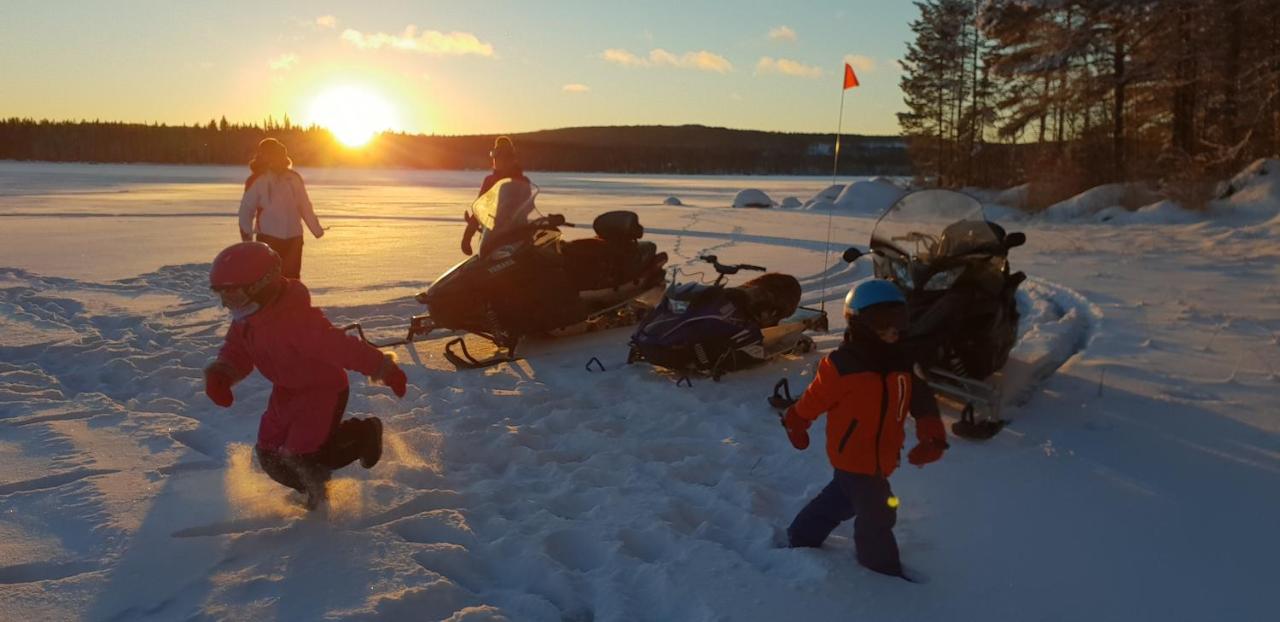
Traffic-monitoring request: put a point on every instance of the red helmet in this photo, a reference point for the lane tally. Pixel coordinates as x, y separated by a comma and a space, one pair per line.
245, 276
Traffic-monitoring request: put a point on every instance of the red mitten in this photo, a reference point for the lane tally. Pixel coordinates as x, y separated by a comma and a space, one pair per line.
395, 379
217, 385
933, 441
797, 428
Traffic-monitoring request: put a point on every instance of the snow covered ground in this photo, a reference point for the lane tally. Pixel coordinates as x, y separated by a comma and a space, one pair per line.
1138, 481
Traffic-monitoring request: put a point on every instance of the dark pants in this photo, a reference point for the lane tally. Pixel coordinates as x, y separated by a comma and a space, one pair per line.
290, 252
347, 441
864, 498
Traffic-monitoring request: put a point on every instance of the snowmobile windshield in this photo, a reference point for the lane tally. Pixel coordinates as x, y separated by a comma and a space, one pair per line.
931, 225
507, 205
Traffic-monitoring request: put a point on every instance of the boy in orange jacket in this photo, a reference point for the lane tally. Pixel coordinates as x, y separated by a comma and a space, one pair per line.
866, 387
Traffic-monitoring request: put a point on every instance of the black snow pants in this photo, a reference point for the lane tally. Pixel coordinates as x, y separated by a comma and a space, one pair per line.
347, 441
864, 498
290, 252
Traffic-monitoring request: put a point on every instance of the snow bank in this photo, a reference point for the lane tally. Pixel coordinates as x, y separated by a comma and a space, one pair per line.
1015, 197
1094, 200
791, 203
672, 201
829, 194
869, 198
1254, 193
752, 197
1161, 213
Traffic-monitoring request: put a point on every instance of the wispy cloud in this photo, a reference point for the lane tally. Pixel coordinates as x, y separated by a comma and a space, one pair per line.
860, 63
701, 60
284, 62
575, 88
623, 57
431, 42
787, 67
327, 21
783, 33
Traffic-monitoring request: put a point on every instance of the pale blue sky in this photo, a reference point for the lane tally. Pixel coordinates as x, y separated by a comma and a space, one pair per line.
513, 66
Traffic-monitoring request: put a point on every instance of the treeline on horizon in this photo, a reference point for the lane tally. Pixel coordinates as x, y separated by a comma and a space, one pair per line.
690, 149
1069, 94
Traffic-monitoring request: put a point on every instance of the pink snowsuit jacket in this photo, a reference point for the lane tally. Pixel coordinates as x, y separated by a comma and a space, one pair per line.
305, 357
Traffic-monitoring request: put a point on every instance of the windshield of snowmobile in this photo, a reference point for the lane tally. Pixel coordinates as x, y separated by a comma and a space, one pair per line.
508, 204
928, 225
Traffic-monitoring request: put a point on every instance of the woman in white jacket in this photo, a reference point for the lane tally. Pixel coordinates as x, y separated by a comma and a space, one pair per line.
275, 205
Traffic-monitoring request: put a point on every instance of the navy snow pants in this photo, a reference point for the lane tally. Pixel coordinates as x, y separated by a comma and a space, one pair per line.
864, 498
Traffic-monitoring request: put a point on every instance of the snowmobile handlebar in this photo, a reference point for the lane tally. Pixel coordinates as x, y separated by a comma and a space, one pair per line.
730, 269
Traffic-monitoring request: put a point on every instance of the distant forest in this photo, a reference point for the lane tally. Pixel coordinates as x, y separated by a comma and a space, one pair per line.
690, 149
1068, 94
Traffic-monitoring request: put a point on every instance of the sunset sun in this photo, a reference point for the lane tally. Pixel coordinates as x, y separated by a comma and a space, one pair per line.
352, 113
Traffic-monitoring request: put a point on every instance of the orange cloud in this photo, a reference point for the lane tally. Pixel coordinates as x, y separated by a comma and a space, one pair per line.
701, 60
431, 42
787, 67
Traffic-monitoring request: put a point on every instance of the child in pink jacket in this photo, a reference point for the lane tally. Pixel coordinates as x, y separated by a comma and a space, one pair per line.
302, 437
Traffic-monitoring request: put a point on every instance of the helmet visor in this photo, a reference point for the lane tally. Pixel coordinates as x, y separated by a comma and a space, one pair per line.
888, 321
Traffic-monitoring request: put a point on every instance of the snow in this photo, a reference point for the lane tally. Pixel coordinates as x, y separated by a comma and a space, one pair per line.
791, 203
752, 197
1015, 197
1142, 446
1088, 203
867, 197
672, 201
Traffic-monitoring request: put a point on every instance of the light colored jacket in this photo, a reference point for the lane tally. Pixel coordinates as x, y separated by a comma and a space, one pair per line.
276, 204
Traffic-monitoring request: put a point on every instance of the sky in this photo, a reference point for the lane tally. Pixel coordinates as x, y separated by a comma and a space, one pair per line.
473, 67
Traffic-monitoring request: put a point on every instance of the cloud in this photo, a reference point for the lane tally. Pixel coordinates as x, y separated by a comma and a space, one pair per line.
623, 57
787, 67
702, 60
783, 33
327, 21
284, 62
575, 88
860, 63
431, 42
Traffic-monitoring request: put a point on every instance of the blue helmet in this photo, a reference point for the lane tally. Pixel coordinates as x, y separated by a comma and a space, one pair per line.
873, 292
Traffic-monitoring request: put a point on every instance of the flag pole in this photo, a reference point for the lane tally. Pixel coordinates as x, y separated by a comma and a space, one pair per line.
835, 167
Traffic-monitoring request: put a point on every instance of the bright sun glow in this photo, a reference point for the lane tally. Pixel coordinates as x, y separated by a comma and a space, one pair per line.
352, 113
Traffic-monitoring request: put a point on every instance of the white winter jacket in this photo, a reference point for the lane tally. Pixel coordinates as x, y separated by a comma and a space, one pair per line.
276, 204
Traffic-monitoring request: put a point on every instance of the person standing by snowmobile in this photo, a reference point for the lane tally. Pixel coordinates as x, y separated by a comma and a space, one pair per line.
866, 387
505, 166
275, 204
302, 437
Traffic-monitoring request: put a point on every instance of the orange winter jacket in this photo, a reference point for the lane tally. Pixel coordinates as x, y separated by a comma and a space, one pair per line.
866, 388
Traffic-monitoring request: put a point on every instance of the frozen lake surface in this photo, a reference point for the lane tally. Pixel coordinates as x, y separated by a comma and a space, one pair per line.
1136, 482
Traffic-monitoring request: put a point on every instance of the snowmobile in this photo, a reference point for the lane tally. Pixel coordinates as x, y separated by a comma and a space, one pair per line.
953, 266
714, 329
525, 280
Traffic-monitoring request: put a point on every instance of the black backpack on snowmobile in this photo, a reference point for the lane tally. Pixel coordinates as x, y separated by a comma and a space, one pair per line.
714, 329
525, 280
953, 266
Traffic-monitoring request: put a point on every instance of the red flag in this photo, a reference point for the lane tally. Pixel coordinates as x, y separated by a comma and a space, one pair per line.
850, 79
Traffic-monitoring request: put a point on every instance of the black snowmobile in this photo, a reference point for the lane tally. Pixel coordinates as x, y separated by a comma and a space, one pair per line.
714, 329
525, 280
953, 266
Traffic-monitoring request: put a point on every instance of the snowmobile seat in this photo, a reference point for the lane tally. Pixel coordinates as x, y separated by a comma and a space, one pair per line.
768, 298
595, 263
618, 226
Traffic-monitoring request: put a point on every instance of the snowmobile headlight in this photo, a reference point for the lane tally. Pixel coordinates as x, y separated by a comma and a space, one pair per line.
944, 280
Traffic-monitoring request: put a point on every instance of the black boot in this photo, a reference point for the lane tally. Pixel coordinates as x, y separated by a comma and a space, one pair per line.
371, 453
314, 478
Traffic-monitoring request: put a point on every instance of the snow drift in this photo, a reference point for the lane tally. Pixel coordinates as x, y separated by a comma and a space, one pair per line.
752, 197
